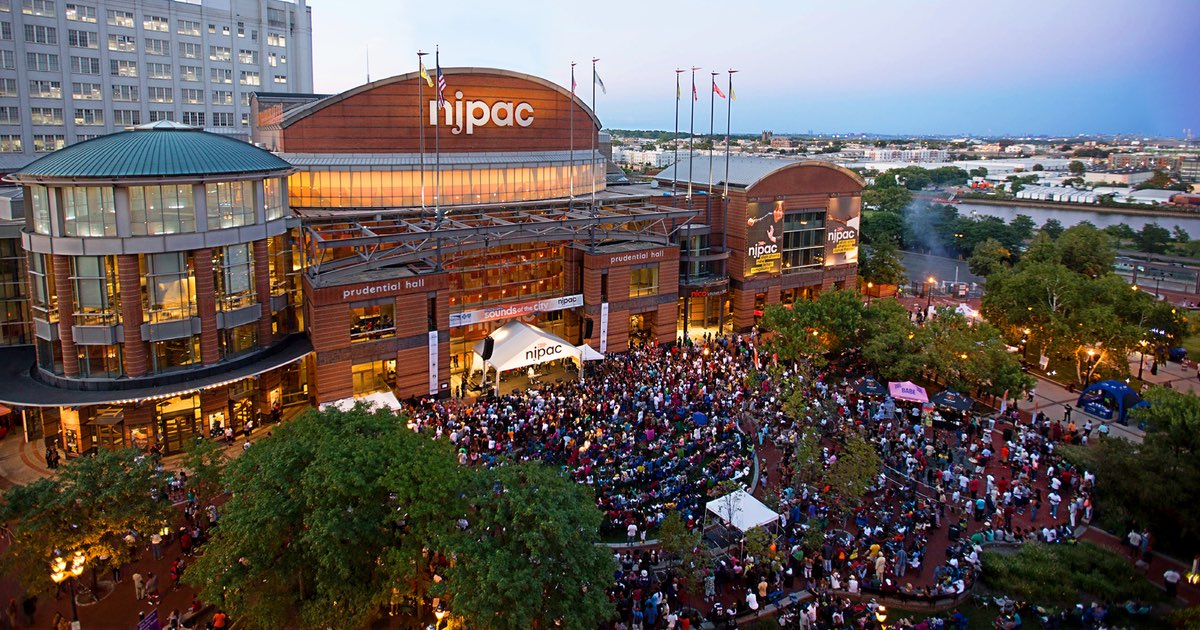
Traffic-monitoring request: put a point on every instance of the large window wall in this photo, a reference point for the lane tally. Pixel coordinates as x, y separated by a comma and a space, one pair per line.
327, 188
803, 240
505, 273
157, 210
233, 268
230, 204
89, 211
170, 287
16, 326
39, 201
97, 293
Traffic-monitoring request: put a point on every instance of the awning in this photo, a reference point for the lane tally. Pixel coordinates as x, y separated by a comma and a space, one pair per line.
376, 400
908, 391
516, 345
742, 510
588, 354
967, 311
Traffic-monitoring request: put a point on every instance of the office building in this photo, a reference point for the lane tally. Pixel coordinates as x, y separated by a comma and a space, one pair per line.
73, 70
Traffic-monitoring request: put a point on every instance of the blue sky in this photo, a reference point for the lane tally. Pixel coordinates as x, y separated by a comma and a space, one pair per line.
884, 66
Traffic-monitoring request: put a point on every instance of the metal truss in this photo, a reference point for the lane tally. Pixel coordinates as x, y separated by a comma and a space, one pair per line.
339, 244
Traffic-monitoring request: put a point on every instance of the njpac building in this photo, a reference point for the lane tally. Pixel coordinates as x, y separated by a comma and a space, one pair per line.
164, 282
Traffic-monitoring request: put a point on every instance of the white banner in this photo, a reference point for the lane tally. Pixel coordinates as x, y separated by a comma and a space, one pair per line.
433, 363
508, 311
603, 327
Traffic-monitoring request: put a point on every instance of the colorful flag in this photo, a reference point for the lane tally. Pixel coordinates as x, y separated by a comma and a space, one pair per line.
573, 86
732, 94
441, 86
717, 90
677, 92
598, 81
695, 96
425, 75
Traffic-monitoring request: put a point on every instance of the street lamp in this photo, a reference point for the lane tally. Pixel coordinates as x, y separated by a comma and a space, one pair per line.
929, 292
1091, 362
1142, 357
1025, 344
59, 571
870, 286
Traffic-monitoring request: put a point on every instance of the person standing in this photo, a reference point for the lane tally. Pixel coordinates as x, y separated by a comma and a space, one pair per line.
139, 586
152, 588
1171, 579
156, 545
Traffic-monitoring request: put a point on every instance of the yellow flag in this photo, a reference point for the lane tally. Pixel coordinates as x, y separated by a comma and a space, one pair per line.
732, 94
425, 75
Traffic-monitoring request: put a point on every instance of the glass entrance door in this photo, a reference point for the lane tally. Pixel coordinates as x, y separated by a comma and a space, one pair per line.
178, 421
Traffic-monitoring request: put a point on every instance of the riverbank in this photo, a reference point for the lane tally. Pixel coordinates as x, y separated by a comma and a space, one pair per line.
1155, 211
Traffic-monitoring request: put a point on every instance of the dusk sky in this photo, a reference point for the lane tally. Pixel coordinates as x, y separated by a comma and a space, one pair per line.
886, 66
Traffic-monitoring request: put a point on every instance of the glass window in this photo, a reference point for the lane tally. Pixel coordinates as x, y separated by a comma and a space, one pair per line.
85, 65
803, 240
239, 340
83, 39
370, 320
273, 201
372, 376
643, 280
99, 361
187, 27
89, 211
120, 18
156, 23
46, 115
10, 143
233, 268
87, 91
84, 117
97, 294
122, 43
157, 210
160, 47
230, 204
45, 297
170, 287
40, 201
81, 13
173, 354
38, 34
219, 53
44, 8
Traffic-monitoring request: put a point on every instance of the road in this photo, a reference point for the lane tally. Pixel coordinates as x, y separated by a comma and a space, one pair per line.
921, 266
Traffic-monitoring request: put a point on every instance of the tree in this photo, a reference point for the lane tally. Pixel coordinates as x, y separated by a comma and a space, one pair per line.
889, 343
1153, 239
529, 558
204, 460
327, 517
857, 466
881, 264
1076, 167
979, 172
989, 257
686, 547
1180, 235
1053, 228
879, 226
1022, 228
1086, 250
886, 198
1038, 167
88, 507
812, 328
1121, 232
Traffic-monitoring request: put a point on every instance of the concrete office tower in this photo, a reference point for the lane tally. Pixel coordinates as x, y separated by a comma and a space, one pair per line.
73, 70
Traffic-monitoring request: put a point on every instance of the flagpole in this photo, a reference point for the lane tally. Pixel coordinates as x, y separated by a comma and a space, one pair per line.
421, 120
728, 118
691, 134
675, 138
592, 135
725, 196
712, 108
571, 160
437, 138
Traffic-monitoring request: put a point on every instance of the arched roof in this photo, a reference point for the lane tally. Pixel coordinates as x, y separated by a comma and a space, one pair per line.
299, 113
744, 171
809, 163
160, 149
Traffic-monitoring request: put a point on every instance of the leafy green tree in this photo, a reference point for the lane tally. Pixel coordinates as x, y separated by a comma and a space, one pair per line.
204, 460
687, 548
857, 466
979, 172
1076, 167
1053, 228
1086, 250
989, 257
886, 198
89, 506
1153, 239
813, 328
881, 264
1022, 228
971, 356
327, 517
889, 342
529, 559
879, 226
1180, 235
1038, 167
1121, 232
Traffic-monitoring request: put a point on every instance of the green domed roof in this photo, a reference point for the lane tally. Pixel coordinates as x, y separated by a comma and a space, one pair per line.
160, 149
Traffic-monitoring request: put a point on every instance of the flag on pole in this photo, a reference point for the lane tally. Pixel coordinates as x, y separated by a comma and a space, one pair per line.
599, 81
441, 86
732, 94
695, 96
717, 90
677, 92
573, 86
425, 75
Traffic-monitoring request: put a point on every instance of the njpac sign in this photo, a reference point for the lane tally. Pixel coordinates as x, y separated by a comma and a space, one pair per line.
466, 115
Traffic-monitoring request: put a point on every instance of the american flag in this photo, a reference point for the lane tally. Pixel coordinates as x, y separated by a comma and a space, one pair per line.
441, 86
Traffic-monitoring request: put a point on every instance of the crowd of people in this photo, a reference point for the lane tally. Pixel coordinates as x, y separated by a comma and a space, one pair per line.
652, 430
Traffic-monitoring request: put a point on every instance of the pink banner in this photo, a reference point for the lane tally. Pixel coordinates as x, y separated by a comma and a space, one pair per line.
908, 391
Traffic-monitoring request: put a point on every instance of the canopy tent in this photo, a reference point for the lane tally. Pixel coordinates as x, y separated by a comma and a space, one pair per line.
742, 510
906, 390
952, 399
967, 311
1110, 400
517, 345
376, 400
868, 386
588, 354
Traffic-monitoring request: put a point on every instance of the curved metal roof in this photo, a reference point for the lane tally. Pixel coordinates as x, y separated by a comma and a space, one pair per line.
744, 170
299, 113
159, 149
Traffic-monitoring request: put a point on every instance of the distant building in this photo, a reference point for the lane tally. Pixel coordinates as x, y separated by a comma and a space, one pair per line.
784, 143
1189, 168
907, 155
1128, 177
1150, 161
766, 136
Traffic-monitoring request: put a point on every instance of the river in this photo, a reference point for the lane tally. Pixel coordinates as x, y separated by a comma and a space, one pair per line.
1071, 216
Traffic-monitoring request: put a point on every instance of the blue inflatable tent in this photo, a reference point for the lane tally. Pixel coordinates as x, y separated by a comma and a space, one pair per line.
1110, 400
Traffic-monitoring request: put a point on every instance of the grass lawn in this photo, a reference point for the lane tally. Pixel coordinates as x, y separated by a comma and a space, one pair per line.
1193, 346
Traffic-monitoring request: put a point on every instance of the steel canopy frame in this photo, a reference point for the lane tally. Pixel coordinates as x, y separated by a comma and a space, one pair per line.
369, 241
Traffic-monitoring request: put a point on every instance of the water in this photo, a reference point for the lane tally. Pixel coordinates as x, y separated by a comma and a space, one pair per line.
1071, 216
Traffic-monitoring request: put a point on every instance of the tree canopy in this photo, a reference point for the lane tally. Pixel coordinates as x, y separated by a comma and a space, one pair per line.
89, 506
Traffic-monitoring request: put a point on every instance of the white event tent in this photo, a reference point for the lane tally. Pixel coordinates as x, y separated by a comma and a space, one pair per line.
516, 345
747, 511
376, 400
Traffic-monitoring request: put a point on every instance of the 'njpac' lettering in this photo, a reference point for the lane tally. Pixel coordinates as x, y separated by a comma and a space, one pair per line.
479, 113
537, 354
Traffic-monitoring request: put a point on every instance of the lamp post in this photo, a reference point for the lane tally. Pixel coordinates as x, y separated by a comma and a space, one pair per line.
870, 286
59, 571
1091, 363
929, 292
1025, 345
1142, 357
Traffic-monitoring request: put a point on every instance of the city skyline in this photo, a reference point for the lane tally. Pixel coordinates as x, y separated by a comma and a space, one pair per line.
941, 68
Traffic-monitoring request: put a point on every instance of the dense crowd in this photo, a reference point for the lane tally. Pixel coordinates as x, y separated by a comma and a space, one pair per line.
651, 430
